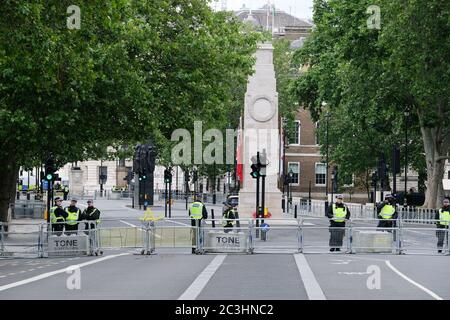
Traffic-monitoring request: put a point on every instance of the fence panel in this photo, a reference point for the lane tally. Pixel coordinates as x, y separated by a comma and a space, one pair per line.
26, 243
425, 240
174, 233
282, 235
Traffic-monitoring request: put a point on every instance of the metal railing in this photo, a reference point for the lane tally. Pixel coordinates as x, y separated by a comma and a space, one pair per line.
317, 209
359, 235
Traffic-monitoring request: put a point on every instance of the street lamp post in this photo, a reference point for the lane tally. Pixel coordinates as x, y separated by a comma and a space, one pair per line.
327, 116
405, 202
291, 175
284, 177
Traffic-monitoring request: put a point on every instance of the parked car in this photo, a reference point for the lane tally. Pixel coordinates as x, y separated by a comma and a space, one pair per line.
232, 201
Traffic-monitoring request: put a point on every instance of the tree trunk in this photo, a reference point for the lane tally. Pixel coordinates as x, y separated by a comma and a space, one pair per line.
436, 146
9, 172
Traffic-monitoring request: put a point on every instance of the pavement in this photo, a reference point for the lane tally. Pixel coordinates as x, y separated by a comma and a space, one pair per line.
267, 274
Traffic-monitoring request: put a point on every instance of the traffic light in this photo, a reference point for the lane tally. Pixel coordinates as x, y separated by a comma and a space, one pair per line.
255, 171
374, 179
194, 176
143, 176
50, 169
167, 176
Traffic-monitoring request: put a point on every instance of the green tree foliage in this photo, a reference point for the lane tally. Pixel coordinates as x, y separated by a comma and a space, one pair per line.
368, 77
135, 70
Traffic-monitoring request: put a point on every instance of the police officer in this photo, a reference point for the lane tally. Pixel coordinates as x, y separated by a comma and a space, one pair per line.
228, 219
65, 192
91, 213
73, 216
57, 217
197, 212
443, 217
337, 213
387, 212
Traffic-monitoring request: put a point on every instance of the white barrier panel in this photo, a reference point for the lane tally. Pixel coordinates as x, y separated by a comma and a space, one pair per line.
219, 241
68, 245
372, 241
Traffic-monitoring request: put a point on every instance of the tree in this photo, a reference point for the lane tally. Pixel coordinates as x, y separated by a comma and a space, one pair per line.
135, 70
368, 77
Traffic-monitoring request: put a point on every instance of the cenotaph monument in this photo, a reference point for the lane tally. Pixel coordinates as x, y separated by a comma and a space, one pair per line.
261, 133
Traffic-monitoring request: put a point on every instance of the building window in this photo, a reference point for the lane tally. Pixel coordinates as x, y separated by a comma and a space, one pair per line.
317, 133
321, 174
295, 167
295, 138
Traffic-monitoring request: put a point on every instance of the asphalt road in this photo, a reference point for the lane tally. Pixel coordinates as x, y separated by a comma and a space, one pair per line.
175, 273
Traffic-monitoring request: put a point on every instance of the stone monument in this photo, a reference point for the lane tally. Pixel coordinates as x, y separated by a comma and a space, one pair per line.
261, 133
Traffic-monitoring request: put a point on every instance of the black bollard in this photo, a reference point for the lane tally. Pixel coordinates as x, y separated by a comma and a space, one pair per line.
295, 212
212, 217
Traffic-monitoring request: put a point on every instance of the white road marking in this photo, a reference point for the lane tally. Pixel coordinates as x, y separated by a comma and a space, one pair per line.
431, 293
202, 280
341, 261
132, 225
10, 274
352, 273
29, 270
309, 280
180, 223
52, 273
2, 276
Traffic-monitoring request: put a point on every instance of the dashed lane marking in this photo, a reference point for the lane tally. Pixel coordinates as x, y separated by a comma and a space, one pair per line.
310, 283
202, 280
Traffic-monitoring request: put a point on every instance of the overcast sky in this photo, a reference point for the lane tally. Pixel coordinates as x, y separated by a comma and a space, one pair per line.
299, 8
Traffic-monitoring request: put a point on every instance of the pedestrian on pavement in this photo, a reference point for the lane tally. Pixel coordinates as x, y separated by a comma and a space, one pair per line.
57, 217
338, 213
91, 213
228, 219
387, 213
197, 212
66, 192
73, 216
443, 218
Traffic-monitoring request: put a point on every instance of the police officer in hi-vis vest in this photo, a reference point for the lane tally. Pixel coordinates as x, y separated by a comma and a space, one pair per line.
91, 213
337, 213
228, 219
443, 219
197, 212
387, 212
73, 216
57, 217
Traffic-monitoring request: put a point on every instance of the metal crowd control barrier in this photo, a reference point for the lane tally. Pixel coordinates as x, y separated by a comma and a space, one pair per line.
235, 239
26, 243
148, 237
282, 235
174, 233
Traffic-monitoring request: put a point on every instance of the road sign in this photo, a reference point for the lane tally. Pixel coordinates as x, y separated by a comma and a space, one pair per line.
265, 227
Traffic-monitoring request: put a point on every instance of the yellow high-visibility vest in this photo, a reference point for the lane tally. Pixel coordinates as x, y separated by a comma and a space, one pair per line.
225, 217
444, 217
387, 212
53, 217
196, 209
339, 214
72, 217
